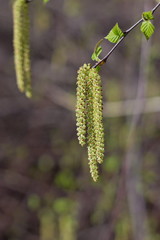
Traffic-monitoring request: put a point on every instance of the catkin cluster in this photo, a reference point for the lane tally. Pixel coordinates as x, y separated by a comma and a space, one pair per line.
89, 116
22, 46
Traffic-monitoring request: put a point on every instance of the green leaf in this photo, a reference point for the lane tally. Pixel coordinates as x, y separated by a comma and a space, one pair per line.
115, 34
147, 28
96, 54
147, 15
97, 51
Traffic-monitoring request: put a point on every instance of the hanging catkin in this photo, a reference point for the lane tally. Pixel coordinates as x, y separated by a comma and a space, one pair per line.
81, 103
91, 136
22, 46
26, 47
89, 116
97, 114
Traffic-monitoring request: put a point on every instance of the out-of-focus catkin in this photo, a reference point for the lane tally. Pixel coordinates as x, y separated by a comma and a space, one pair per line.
22, 46
26, 47
89, 116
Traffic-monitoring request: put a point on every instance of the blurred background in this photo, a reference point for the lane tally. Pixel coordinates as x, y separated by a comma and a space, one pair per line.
46, 192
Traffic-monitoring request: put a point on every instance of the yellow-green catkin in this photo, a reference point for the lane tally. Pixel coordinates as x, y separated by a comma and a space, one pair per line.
91, 137
89, 116
93, 162
22, 46
98, 114
81, 102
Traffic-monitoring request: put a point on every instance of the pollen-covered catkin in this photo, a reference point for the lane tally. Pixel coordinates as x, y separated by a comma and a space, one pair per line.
98, 114
18, 48
91, 140
81, 102
93, 162
89, 116
21, 45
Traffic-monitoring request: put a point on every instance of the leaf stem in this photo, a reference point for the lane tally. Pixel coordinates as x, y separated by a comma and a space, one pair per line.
104, 59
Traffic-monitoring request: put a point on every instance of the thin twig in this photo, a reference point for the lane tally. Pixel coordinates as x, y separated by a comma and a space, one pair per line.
104, 59
155, 8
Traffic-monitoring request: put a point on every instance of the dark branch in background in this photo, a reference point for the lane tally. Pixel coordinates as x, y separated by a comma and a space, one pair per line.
28, 1
104, 59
